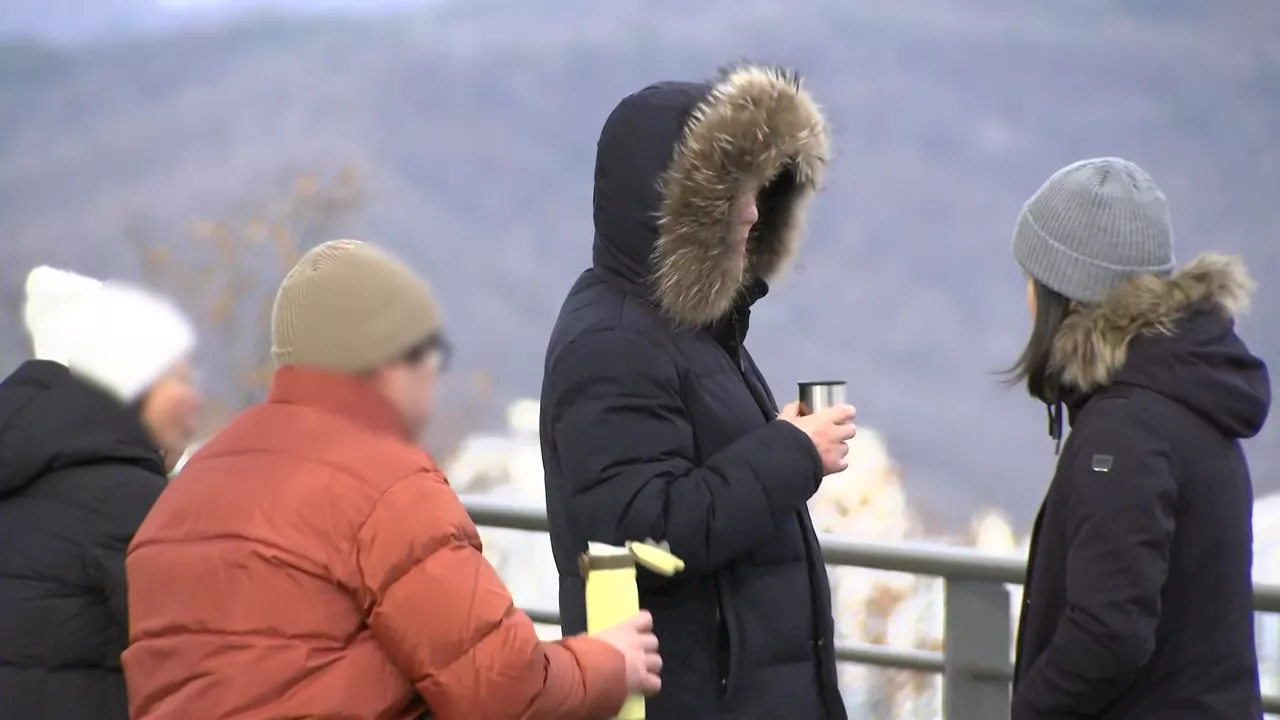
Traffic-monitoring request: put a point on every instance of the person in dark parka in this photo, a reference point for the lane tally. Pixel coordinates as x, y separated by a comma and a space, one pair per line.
657, 424
84, 432
1139, 597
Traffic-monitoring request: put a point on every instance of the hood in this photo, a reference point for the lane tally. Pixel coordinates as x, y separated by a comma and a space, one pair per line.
51, 420
672, 160
1175, 336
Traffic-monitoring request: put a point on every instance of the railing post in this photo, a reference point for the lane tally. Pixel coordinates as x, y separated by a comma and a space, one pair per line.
977, 636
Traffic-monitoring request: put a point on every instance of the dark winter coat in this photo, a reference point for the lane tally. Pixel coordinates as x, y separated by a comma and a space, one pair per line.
656, 423
1139, 597
77, 475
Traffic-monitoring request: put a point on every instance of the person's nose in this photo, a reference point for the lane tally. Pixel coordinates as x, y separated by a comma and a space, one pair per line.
750, 213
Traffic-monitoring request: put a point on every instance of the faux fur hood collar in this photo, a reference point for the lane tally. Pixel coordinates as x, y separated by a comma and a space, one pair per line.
1093, 344
671, 162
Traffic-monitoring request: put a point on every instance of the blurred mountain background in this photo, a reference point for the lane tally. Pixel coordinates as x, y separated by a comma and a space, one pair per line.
202, 144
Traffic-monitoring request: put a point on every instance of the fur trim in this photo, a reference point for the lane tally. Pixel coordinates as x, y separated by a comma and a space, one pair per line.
1093, 342
757, 129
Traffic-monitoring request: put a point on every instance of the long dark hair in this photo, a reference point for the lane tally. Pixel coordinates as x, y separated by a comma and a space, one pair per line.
1032, 366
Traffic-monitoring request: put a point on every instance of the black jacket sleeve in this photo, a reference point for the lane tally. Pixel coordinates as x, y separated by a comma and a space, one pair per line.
1120, 511
627, 452
126, 496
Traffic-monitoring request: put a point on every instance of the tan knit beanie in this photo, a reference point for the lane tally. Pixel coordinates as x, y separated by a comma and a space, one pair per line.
349, 306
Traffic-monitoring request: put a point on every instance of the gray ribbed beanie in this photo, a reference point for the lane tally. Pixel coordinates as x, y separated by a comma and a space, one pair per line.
1093, 224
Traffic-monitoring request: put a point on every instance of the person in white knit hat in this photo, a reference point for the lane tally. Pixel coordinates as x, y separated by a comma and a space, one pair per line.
86, 428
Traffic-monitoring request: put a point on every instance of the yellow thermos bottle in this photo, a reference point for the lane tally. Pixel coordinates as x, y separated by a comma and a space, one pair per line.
612, 595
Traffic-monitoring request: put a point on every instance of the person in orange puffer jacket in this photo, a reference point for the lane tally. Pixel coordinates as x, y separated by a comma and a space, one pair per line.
311, 561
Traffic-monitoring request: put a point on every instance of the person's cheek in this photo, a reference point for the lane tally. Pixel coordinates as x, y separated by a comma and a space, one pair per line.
186, 418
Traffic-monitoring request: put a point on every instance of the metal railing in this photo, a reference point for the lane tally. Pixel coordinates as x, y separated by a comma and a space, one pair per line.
976, 668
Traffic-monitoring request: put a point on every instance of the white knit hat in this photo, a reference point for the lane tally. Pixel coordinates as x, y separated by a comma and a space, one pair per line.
118, 336
51, 295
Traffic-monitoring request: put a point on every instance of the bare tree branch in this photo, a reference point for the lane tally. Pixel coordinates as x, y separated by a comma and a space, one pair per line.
225, 272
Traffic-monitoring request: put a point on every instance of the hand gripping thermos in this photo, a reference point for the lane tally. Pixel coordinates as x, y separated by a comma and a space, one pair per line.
612, 595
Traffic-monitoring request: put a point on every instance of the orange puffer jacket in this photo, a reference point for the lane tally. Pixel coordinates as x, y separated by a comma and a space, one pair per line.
309, 561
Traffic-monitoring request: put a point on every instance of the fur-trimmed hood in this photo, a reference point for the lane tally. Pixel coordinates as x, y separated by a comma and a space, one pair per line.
671, 162
1174, 335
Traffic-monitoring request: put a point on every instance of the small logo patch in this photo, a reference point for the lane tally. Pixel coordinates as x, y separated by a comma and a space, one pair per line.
1102, 463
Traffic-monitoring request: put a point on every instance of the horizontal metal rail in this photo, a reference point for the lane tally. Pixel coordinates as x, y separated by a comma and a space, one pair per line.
954, 563
862, 653
949, 563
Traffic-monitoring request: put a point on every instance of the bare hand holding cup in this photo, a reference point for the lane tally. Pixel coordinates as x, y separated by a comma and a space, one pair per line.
828, 429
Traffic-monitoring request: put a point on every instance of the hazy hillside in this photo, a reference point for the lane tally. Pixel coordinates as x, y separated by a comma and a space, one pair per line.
79, 21
474, 124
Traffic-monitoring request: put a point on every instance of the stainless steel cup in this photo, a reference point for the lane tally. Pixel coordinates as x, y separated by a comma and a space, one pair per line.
818, 396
